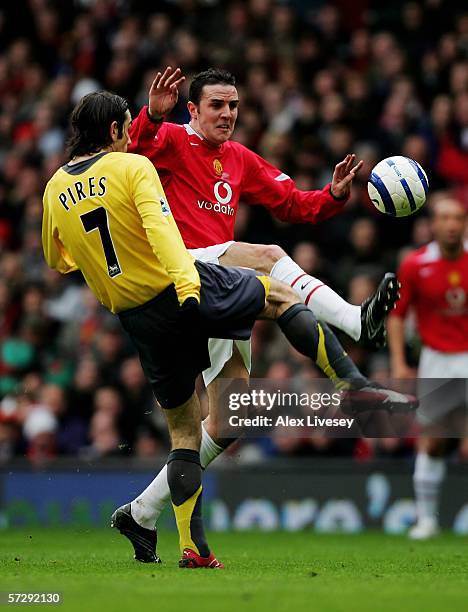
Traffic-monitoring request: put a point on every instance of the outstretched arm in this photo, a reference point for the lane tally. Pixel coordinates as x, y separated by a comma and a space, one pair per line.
265, 185
162, 97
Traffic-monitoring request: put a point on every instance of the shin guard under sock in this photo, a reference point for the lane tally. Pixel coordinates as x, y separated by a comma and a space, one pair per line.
184, 478
317, 341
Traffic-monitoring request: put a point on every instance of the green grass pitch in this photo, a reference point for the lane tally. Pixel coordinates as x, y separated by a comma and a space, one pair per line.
94, 570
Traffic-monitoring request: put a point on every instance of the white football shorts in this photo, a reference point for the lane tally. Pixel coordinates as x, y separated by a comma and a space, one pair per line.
221, 350
438, 365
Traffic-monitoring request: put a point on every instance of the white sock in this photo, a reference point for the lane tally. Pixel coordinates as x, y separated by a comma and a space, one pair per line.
147, 507
326, 305
429, 473
209, 450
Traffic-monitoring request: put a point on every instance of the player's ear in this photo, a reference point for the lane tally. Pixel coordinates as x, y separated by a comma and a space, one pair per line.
114, 131
192, 109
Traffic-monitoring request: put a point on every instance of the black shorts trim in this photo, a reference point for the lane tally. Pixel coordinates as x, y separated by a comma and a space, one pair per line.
171, 354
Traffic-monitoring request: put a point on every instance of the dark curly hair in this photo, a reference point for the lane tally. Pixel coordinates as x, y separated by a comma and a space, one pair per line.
90, 122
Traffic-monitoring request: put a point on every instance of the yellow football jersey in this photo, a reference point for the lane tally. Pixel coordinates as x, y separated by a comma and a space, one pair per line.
108, 216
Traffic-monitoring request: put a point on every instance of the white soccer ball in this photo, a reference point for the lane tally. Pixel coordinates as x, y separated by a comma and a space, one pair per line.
398, 186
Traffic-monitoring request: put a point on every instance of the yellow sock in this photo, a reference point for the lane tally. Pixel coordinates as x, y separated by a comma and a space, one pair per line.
323, 362
183, 514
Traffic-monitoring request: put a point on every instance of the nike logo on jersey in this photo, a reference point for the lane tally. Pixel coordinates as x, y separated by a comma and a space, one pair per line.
305, 285
194, 144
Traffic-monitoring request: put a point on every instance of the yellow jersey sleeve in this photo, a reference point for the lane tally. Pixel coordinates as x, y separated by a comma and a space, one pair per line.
55, 253
162, 231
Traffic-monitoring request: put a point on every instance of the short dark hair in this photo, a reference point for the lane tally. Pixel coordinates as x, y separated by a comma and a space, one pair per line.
90, 122
212, 76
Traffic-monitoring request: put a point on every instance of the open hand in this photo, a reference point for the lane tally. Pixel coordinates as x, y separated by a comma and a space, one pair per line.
343, 176
164, 92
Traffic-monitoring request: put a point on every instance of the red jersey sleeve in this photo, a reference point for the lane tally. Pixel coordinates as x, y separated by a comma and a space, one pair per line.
265, 185
153, 140
407, 278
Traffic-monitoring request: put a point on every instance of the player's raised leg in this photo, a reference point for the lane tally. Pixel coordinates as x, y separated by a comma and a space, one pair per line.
315, 340
363, 323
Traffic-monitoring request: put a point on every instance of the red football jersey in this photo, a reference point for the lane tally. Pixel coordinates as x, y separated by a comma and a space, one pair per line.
204, 183
437, 288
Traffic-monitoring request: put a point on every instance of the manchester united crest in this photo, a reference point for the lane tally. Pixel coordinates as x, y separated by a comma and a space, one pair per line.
454, 278
218, 167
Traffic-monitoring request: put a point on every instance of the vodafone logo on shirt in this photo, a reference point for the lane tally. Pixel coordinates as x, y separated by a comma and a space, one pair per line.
456, 299
222, 186
223, 195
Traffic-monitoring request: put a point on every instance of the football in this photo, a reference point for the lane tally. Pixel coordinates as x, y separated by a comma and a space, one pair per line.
398, 186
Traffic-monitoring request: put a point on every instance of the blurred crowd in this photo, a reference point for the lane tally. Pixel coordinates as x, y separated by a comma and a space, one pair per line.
316, 80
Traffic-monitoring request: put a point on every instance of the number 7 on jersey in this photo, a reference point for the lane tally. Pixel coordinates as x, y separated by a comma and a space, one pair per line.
97, 220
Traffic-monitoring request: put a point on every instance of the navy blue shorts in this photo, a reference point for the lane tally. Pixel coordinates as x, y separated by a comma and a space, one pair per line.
230, 300
173, 355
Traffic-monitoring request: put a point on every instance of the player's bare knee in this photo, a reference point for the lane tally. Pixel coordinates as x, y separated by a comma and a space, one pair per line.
280, 298
282, 293
260, 257
268, 255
